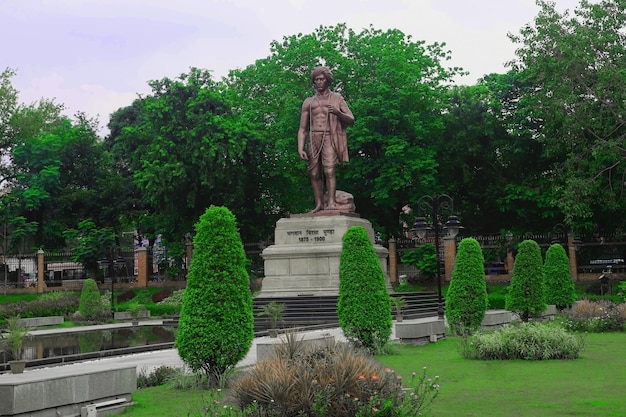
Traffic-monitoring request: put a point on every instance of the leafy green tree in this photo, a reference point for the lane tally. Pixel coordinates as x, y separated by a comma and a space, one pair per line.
395, 87
61, 178
364, 305
37, 180
575, 66
8, 107
495, 165
526, 294
184, 139
90, 185
53, 169
560, 289
90, 244
19, 121
90, 307
136, 212
20, 231
466, 299
424, 258
216, 324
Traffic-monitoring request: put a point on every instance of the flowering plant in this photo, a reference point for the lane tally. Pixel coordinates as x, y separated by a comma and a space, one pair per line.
333, 380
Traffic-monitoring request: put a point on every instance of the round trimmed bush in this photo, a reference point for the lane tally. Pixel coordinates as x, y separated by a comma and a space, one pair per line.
364, 305
528, 341
216, 324
466, 300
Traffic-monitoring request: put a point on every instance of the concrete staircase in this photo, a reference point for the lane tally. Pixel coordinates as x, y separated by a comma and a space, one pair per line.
321, 311
306, 311
418, 304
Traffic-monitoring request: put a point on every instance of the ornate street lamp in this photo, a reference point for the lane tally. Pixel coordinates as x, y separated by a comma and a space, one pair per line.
561, 233
434, 204
109, 265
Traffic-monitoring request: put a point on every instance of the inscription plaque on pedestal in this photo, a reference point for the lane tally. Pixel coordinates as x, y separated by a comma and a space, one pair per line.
304, 259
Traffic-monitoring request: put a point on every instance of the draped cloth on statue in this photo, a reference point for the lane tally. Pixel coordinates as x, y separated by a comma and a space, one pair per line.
337, 130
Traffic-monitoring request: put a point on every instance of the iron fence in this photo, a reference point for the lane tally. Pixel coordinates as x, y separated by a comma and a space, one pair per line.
594, 255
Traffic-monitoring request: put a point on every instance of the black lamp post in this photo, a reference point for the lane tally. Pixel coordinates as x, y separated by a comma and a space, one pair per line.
434, 204
111, 273
561, 235
108, 266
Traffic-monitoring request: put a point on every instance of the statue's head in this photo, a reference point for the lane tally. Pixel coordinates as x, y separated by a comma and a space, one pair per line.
321, 70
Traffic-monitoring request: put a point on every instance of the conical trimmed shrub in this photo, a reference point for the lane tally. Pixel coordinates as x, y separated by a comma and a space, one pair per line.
466, 300
364, 305
526, 295
216, 324
560, 289
90, 306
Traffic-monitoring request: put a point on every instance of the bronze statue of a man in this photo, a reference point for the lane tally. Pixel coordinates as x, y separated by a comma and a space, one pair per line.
322, 139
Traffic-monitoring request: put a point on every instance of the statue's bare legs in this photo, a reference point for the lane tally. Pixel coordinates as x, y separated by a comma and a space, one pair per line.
319, 202
318, 189
331, 187
317, 182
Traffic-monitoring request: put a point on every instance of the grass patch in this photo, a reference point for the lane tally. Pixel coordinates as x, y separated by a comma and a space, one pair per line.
165, 401
497, 296
13, 298
592, 385
65, 324
405, 286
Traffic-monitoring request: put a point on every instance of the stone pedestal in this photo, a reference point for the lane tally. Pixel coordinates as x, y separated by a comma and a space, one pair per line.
420, 330
496, 318
304, 259
266, 349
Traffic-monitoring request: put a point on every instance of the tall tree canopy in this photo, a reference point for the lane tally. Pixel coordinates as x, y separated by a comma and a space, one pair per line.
575, 64
61, 178
8, 107
541, 144
185, 151
494, 165
393, 85
20, 121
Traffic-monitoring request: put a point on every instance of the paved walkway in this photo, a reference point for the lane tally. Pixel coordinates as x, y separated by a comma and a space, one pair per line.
148, 361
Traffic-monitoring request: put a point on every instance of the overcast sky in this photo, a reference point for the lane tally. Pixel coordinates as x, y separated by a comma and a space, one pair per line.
95, 56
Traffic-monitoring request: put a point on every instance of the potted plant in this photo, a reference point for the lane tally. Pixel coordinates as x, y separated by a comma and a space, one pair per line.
12, 341
398, 303
135, 309
274, 311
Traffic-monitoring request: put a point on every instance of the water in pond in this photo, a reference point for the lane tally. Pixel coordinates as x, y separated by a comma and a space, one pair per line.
64, 344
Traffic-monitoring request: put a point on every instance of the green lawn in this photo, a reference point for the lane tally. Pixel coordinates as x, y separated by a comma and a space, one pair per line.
593, 385
166, 402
